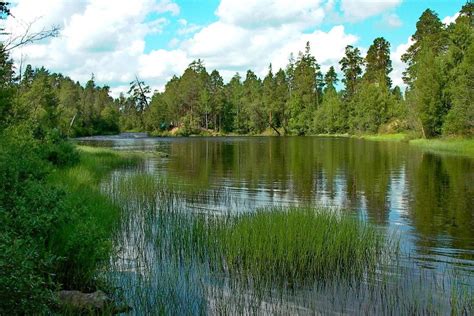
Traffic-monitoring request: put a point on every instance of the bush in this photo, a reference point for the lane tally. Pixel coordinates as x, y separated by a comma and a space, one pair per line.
58, 150
29, 211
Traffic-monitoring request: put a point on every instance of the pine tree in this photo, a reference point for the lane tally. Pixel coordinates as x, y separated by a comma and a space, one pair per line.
281, 96
235, 98
330, 116
378, 63
217, 98
305, 92
330, 79
430, 34
351, 66
268, 96
252, 102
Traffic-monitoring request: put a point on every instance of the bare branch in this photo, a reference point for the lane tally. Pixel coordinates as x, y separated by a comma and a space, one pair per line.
29, 37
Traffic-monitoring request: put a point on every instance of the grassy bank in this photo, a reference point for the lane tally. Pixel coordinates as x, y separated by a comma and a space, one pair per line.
386, 137
84, 240
458, 146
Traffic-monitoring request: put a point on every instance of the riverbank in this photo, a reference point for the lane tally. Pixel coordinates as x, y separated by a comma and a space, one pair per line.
458, 146
84, 240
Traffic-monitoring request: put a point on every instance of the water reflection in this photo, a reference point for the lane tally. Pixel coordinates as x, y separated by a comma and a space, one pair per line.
429, 198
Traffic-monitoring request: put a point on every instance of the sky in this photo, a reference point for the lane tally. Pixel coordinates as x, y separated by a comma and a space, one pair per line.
117, 40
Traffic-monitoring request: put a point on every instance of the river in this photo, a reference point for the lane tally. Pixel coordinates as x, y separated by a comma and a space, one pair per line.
426, 198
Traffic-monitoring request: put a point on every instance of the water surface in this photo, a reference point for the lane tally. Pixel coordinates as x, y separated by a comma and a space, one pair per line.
427, 198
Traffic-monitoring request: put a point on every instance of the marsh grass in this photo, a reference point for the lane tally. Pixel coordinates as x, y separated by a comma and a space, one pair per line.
174, 259
83, 241
387, 137
288, 245
458, 146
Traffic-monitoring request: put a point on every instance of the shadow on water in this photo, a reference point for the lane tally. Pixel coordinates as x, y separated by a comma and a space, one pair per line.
427, 199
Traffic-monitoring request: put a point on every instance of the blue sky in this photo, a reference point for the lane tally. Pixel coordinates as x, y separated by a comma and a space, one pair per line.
155, 39
409, 11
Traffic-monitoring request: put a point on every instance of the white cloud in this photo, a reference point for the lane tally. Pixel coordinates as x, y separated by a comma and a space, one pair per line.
253, 34
108, 38
167, 6
187, 28
162, 63
392, 20
357, 10
270, 13
450, 19
398, 65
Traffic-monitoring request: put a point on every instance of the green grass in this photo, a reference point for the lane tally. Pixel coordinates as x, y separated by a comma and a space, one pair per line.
459, 146
386, 137
276, 244
244, 263
297, 245
84, 240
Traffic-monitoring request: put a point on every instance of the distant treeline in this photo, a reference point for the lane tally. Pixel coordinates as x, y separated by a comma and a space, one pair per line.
301, 100
298, 100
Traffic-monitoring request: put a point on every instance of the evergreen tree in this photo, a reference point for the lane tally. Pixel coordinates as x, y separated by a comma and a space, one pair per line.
193, 96
330, 116
281, 96
217, 99
39, 106
460, 119
7, 89
378, 63
252, 101
426, 98
370, 108
330, 79
28, 76
351, 66
458, 63
235, 98
268, 96
430, 35
305, 92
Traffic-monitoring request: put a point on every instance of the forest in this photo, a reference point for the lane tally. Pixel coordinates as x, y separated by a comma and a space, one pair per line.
49, 239
298, 100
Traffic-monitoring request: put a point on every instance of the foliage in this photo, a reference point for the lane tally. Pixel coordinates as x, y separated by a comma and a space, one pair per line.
53, 101
30, 209
351, 66
460, 60
55, 226
378, 63
298, 101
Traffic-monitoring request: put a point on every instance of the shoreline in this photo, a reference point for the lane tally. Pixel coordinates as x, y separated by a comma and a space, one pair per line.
462, 146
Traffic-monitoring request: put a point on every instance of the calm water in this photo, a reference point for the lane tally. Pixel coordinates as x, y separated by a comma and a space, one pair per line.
427, 198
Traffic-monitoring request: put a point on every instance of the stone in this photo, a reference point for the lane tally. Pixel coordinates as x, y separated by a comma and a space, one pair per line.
84, 301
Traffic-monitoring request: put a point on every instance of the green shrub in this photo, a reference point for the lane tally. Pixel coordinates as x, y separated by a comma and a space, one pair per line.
29, 211
56, 227
57, 150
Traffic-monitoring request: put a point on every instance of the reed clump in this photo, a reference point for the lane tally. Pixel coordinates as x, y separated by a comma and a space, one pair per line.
299, 245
